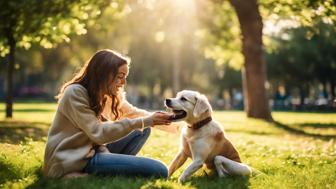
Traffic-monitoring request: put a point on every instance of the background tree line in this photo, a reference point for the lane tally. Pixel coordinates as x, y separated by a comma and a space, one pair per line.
195, 46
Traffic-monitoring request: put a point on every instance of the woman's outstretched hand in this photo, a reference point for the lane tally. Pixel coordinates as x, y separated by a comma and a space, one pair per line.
161, 118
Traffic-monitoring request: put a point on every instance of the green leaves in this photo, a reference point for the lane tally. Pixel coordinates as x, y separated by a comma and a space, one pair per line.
222, 35
310, 48
221, 38
46, 23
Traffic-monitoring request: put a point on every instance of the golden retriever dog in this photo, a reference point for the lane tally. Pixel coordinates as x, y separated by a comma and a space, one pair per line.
203, 139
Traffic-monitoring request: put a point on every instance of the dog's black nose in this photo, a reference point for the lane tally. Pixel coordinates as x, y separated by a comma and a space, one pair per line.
167, 102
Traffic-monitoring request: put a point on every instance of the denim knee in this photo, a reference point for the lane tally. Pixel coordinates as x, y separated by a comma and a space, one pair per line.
146, 132
164, 172
161, 170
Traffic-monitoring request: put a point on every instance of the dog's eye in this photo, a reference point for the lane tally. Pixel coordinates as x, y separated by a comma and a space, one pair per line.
183, 99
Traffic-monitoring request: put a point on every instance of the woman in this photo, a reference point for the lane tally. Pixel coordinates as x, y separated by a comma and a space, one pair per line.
93, 111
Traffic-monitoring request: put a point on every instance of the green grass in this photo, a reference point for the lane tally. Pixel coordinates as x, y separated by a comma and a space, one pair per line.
298, 151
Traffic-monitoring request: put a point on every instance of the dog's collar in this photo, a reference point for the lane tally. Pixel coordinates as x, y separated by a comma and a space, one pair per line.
200, 124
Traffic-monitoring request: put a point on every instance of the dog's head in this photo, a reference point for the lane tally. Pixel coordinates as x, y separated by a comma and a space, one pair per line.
190, 106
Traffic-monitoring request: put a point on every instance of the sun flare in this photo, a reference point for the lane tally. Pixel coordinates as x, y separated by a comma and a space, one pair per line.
184, 4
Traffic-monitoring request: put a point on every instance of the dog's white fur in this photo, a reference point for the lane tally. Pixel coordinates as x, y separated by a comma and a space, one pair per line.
206, 145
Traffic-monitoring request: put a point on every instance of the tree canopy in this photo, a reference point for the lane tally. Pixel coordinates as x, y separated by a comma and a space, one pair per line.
45, 22
197, 48
300, 59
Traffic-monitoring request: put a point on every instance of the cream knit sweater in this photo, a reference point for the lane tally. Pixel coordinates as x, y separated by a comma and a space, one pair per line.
75, 129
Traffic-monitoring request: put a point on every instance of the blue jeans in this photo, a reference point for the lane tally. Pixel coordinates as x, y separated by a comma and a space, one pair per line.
122, 159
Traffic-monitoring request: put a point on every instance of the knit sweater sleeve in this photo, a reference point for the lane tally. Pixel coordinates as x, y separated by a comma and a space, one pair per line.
75, 106
131, 111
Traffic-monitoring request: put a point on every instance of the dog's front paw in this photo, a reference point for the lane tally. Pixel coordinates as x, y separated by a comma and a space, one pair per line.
182, 179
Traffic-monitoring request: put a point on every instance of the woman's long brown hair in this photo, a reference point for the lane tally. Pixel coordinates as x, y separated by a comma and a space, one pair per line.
96, 76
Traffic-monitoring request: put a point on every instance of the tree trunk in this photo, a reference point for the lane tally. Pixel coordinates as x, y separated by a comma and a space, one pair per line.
244, 87
332, 90
254, 76
10, 75
303, 95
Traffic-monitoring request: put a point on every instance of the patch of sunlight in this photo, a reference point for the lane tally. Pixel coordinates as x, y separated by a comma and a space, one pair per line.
160, 36
184, 4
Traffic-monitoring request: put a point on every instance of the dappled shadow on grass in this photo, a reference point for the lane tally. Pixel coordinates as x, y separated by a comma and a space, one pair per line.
10, 173
7, 173
120, 182
319, 125
14, 132
213, 182
37, 110
93, 181
252, 132
298, 131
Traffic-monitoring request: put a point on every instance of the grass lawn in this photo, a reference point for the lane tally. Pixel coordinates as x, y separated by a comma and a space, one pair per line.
297, 151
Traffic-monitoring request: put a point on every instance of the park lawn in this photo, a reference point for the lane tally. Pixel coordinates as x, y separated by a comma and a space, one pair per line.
297, 151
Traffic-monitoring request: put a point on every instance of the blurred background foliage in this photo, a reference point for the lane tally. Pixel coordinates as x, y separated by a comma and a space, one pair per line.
178, 45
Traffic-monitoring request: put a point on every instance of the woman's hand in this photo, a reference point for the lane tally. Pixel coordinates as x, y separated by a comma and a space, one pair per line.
161, 118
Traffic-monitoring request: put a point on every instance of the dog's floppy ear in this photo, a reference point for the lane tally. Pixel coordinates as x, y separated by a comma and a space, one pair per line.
202, 105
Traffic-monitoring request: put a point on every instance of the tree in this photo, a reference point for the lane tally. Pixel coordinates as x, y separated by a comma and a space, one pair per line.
140, 31
41, 22
250, 15
243, 52
299, 58
254, 72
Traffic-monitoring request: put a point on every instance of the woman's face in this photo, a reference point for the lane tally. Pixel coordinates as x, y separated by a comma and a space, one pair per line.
120, 80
